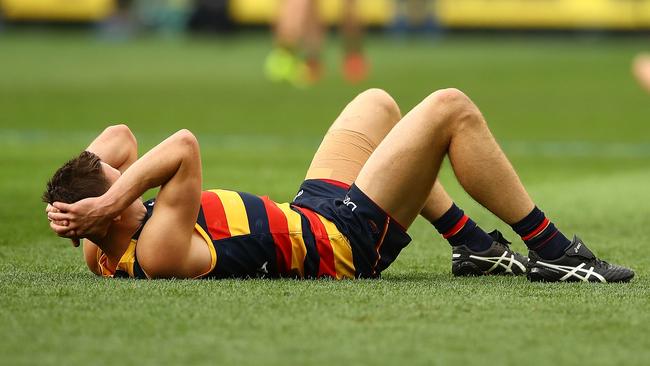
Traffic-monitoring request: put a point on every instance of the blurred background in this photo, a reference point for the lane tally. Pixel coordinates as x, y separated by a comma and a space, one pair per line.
555, 78
180, 15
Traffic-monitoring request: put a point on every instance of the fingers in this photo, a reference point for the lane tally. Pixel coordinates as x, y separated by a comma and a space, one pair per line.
65, 232
57, 219
59, 216
65, 207
50, 208
62, 231
59, 222
58, 229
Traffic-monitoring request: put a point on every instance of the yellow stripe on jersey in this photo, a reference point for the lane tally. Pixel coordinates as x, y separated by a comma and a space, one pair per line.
235, 212
128, 259
343, 263
125, 264
298, 248
210, 244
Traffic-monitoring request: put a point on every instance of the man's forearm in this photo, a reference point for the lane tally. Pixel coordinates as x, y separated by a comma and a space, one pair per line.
153, 169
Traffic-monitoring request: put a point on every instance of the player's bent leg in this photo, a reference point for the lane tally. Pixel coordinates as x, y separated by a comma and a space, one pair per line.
400, 174
353, 136
400, 177
418, 143
446, 122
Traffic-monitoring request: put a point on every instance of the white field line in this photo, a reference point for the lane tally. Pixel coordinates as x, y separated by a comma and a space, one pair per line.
587, 149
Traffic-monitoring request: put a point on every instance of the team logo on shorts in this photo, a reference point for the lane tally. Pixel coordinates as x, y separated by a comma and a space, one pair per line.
349, 203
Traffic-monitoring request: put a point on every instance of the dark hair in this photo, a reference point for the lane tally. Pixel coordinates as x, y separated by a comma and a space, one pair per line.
79, 178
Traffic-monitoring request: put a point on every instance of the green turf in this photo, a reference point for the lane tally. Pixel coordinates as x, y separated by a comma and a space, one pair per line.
566, 110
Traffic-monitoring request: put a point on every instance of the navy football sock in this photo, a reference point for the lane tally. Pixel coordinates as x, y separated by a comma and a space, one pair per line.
541, 236
459, 229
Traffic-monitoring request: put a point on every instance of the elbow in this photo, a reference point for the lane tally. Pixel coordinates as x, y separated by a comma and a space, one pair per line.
118, 130
122, 132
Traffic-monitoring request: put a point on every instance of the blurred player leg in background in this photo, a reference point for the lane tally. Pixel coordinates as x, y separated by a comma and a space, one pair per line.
641, 70
355, 65
313, 42
297, 22
299, 35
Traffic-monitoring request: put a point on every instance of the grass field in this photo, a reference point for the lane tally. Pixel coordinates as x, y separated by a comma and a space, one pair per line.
566, 111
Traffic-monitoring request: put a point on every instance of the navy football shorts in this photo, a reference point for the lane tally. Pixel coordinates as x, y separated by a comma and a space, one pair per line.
376, 238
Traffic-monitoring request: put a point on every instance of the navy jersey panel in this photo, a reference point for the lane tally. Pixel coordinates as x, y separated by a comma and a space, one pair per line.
250, 256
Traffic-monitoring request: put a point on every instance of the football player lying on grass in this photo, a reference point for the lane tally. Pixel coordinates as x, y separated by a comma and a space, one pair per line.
373, 174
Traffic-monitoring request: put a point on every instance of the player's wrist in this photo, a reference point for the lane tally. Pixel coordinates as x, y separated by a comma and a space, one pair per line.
109, 204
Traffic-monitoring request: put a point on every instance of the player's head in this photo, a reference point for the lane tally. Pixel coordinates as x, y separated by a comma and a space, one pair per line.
82, 177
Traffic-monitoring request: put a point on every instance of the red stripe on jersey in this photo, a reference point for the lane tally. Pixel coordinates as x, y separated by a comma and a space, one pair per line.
215, 216
537, 230
280, 231
323, 245
454, 230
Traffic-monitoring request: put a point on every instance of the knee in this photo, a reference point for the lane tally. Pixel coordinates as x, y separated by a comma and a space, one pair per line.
455, 105
450, 98
380, 99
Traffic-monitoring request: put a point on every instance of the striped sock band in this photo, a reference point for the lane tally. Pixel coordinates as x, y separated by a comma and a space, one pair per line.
459, 229
541, 235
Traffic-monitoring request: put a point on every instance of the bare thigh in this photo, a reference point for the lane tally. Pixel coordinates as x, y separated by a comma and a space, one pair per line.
353, 137
400, 175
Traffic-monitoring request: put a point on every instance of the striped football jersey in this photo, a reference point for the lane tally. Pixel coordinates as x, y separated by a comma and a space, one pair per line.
251, 236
